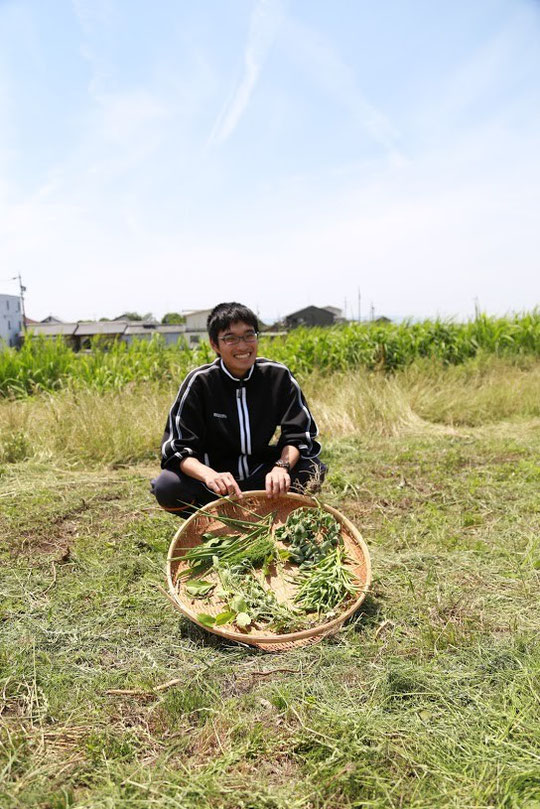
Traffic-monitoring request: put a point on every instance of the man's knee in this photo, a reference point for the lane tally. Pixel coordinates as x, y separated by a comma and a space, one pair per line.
179, 493
169, 491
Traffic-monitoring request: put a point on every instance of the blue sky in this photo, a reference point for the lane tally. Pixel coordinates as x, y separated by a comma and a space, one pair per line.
166, 156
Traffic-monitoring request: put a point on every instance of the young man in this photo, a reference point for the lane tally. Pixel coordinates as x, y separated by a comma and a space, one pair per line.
218, 435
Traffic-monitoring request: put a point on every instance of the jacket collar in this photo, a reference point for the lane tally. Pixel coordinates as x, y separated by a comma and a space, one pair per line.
234, 378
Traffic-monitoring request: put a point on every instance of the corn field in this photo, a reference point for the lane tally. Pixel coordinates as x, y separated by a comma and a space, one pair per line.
49, 365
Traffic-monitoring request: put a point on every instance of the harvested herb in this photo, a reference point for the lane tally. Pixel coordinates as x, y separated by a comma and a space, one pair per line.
311, 534
205, 619
199, 588
254, 547
245, 595
326, 585
314, 543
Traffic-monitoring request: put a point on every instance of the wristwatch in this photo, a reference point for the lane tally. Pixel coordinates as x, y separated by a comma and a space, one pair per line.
283, 464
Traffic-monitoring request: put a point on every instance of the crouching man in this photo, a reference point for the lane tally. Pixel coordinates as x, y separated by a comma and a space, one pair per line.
218, 437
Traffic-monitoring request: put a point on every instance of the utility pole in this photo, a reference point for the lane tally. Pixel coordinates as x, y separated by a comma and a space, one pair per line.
372, 312
22, 290
359, 306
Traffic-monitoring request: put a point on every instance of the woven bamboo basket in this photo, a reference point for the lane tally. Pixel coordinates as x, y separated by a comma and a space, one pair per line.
204, 520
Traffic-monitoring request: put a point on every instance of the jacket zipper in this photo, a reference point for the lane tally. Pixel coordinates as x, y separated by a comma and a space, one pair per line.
245, 437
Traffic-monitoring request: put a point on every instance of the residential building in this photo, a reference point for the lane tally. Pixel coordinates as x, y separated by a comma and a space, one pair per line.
10, 320
196, 320
79, 335
54, 330
336, 311
51, 319
310, 316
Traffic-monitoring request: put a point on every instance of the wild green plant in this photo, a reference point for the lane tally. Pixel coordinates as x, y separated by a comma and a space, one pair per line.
310, 534
253, 546
248, 602
44, 364
326, 585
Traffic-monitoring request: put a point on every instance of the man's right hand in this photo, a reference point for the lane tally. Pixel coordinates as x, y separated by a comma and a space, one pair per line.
222, 483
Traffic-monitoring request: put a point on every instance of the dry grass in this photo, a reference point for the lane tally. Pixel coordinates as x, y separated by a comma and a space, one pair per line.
119, 427
85, 426
363, 402
486, 389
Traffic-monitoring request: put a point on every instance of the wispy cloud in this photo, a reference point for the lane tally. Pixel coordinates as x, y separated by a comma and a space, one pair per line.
265, 21
322, 62
493, 82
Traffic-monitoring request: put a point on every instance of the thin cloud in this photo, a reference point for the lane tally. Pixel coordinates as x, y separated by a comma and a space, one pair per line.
265, 21
320, 59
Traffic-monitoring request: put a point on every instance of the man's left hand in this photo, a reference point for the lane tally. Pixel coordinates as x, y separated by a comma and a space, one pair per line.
277, 481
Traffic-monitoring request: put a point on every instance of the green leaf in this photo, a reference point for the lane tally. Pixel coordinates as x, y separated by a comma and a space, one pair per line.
243, 620
211, 543
205, 619
199, 587
238, 604
226, 617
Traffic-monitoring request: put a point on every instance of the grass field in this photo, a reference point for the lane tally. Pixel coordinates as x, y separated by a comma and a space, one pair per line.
429, 697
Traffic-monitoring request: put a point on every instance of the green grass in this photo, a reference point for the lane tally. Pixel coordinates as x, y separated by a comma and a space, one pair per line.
49, 365
429, 697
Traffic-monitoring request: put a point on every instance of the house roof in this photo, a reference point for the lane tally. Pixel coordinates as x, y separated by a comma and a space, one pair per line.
334, 309
172, 328
190, 312
154, 328
101, 327
53, 329
112, 327
308, 309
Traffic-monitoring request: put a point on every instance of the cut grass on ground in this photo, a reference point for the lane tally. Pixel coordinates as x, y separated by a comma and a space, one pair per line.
430, 697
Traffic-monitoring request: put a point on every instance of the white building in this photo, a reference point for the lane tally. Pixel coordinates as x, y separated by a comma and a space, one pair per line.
196, 320
10, 319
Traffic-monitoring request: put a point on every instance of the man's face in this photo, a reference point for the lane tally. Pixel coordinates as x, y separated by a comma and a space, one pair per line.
237, 356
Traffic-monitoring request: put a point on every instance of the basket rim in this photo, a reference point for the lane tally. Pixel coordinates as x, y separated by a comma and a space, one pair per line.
290, 636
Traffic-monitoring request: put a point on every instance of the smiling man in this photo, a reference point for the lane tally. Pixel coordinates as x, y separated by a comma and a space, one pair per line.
218, 437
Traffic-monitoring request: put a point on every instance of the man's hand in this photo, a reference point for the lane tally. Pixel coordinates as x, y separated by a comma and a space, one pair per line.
277, 481
222, 483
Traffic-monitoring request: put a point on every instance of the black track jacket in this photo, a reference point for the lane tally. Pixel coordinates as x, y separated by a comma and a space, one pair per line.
228, 423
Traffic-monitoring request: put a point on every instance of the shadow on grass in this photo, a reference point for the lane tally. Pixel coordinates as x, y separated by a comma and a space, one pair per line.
368, 614
202, 637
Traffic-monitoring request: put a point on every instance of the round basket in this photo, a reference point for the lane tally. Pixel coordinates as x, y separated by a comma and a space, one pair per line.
204, 520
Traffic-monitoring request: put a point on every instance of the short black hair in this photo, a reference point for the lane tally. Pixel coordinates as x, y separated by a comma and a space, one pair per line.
222, 315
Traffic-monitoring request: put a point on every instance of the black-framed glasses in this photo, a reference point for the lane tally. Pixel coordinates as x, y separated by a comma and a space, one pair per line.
234, 339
